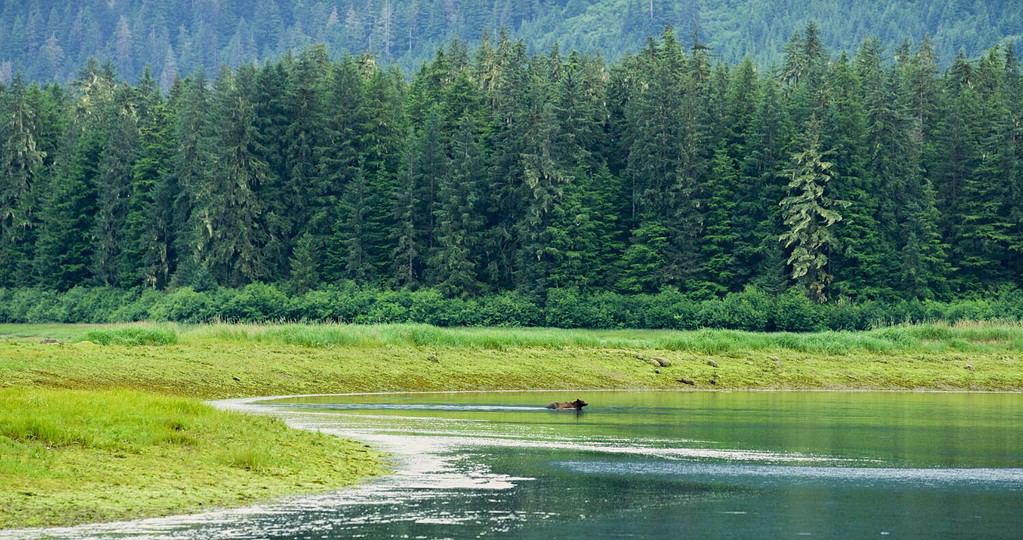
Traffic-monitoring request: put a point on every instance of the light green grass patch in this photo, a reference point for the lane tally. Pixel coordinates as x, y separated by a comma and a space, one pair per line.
133, 335
84, 456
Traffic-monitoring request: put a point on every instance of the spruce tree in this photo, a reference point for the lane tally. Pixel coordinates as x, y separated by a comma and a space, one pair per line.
453, 268
21, 168
720, 234
64, 249
810, 215
762, 166
150, 220
272, 122
544, 183
302, 181
193, 164
226, 211
380, 144
304, 264
352, 230
409, 250
857, 263
111, 265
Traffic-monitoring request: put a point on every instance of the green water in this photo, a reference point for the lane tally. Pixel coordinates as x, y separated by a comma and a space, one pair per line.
654, 465
717, 464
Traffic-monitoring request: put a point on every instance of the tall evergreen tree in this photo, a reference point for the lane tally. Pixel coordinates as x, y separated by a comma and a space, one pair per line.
193, 165
64, 253
453, 268
21, 168
226, 212
810, 215
150, 221
545, 181
305, 107
339, 162
110, 263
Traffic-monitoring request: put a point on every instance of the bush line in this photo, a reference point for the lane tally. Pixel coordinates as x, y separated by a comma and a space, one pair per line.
751, 310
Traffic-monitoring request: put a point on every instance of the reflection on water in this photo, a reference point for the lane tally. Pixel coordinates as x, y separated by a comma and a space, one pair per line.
746, 465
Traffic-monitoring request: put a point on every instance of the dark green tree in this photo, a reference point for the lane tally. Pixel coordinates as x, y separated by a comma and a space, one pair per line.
810, 215
21, 169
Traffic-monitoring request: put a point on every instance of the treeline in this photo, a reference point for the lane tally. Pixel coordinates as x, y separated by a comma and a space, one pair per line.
852, 178
751, 310
49, 40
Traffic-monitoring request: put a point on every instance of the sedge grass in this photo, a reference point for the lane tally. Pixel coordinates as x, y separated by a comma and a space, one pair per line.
933, 338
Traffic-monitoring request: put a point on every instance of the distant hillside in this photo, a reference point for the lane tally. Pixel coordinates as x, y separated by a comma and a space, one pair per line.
51, 39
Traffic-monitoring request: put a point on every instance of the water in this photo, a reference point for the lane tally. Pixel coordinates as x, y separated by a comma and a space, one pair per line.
649, 464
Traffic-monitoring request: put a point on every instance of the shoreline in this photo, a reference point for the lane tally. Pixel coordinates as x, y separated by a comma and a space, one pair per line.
249, 363
607, 390
263, 406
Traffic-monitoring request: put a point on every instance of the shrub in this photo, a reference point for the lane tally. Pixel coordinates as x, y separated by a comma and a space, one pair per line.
794, 312
313, 306
184, 305
1008, 305
667, 309
137, 308
387, 307
256, 302
967, 310
429, 306
751, 310
567, 308
508, 309
42, 307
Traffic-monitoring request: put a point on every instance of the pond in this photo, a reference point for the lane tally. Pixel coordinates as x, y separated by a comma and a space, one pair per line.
650, 464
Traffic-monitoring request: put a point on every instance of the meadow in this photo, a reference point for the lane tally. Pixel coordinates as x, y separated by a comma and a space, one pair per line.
222, 360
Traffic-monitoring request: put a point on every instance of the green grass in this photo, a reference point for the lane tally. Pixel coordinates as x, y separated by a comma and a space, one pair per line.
245, 360
81, 456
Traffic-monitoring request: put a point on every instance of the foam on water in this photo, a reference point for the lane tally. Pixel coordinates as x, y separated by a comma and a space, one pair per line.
1010, 478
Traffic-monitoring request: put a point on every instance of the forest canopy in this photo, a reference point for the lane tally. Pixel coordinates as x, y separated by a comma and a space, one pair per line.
843, 177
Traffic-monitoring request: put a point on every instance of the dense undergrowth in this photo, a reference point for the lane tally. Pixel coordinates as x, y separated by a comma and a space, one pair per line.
751, 310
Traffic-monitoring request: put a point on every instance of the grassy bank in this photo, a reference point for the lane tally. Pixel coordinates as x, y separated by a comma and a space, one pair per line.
81, 456
241, 360
72, 416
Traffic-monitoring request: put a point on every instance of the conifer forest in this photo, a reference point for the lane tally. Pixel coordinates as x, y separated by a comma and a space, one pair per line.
844, 176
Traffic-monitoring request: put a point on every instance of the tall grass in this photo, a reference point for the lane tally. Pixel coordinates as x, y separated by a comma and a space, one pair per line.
936, 337
930, 338
134, 335
119, 421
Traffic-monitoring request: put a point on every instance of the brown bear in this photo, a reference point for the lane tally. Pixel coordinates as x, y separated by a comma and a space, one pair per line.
576, 405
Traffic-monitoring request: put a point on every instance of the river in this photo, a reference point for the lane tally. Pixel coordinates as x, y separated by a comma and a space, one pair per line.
647, 464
